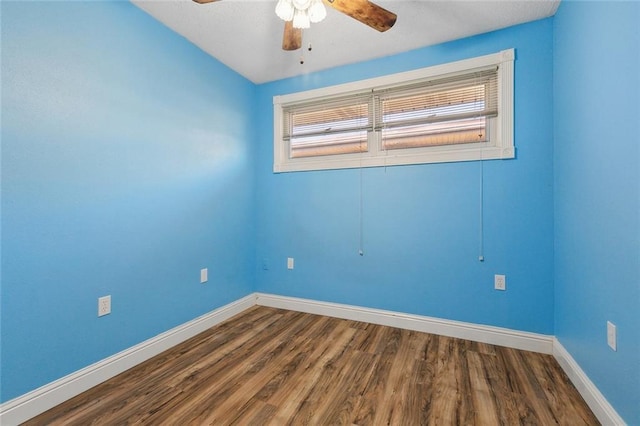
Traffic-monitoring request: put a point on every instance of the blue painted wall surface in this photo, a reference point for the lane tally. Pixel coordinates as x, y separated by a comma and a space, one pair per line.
597, 193
126, 167
421, 223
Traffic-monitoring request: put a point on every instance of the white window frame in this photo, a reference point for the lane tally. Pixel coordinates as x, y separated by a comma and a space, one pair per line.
499, 146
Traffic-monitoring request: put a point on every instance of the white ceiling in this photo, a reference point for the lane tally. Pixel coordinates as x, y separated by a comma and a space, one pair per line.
246, 35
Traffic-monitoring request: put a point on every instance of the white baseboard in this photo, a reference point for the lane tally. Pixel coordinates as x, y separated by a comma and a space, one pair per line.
29, 405
38, 401
462, 330
592, 396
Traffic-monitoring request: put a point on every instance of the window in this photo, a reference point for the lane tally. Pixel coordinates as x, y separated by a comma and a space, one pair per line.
460, 111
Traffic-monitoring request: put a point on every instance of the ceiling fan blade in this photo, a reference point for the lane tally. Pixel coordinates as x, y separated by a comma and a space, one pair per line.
292, 38
366, 12
204, 1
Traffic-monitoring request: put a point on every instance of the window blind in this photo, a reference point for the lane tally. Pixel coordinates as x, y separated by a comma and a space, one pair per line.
449, 110
326, 127
445, 110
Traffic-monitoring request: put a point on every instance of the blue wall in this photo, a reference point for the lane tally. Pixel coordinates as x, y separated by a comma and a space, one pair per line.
597, 193
126, 167
421, 223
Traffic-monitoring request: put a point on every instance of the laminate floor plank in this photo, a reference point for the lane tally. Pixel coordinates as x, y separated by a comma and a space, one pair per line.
255, 413
397, 386
286, 377
482, 396
387, 347
305, 407
269, 366
261, 372
509, 410
347, 392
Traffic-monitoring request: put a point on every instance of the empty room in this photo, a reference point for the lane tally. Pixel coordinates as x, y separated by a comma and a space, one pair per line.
320, 212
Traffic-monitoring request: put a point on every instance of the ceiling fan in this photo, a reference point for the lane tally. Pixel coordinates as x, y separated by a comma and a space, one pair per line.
290, 11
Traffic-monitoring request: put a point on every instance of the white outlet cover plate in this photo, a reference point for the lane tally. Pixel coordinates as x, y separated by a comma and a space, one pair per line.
500, 282
204, 275
104, 305
290, 263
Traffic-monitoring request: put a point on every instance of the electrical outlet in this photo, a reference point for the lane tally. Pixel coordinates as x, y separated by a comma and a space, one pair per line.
612, 338
104, 305
204, 275
290, 263
500, 282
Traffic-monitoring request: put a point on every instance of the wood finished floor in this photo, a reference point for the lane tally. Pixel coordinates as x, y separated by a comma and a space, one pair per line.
276, 367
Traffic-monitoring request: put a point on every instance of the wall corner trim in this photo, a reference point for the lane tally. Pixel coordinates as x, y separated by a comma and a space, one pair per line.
463, 330
38, 401
592, 396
